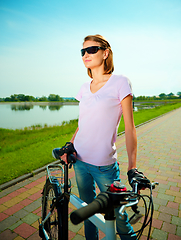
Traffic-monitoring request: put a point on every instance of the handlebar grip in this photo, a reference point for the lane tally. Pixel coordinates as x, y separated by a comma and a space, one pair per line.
98, 205
57, 153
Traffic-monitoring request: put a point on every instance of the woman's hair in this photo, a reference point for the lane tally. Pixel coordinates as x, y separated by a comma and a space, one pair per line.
108, 62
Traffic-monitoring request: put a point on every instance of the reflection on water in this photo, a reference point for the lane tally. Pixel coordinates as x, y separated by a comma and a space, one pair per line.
43, 107
14, 107
29, 107
21, 107
138, 108
56, 107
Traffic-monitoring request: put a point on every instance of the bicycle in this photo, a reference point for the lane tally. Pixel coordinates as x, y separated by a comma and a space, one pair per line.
57, 194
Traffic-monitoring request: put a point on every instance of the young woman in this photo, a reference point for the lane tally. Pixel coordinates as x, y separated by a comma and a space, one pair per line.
102, 102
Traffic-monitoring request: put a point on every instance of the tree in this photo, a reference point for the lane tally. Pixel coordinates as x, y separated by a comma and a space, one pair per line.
21, 97
53, 97
28, 98
14, 98
43, 99
140, 98
155, 98
179, 94
171, 96
7, 99
162, 96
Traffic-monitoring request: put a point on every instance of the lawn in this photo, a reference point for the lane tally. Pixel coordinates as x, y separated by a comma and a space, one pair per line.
22, 151
145, 115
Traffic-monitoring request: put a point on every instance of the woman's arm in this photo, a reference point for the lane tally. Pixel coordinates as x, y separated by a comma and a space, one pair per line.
72, 140
130, 131
64, 157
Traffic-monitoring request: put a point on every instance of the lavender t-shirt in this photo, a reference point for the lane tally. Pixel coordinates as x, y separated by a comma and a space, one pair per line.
99, 117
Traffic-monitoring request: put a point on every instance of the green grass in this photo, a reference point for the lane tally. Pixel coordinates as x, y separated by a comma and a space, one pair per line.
146, 114
22, 151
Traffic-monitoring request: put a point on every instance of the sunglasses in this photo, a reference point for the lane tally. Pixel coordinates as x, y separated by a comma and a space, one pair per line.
91, 50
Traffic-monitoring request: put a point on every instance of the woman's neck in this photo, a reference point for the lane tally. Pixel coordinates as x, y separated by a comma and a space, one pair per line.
100, 77
99, 82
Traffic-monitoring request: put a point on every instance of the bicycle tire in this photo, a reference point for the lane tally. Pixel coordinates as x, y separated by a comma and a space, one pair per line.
53, 225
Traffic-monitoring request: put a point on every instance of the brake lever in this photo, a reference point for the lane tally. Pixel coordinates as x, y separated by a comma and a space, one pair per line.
135, 187
121, 210
154, 184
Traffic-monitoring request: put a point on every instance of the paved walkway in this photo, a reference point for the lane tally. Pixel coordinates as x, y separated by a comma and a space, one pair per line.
159, 156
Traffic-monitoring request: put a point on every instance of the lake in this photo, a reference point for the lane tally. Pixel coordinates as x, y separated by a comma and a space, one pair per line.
21, 115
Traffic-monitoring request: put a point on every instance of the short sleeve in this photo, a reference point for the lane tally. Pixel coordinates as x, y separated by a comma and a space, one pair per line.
125, 88
84, 88
79, 95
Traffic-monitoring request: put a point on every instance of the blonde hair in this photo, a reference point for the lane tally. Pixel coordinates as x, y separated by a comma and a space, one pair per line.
108, 62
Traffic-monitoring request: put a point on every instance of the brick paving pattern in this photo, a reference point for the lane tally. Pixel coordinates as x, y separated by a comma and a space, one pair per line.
159, 157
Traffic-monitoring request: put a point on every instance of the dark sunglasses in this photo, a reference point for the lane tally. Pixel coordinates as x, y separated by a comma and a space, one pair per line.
91, 50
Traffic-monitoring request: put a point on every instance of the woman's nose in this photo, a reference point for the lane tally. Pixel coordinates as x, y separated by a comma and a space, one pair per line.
86, 54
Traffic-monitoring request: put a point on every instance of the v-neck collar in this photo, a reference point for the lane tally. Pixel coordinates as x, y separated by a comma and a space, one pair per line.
102, 86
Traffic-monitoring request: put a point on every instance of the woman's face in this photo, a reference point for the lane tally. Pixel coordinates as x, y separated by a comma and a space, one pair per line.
93, 60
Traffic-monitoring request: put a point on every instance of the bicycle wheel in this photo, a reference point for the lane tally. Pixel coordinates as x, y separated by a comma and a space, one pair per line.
53, 225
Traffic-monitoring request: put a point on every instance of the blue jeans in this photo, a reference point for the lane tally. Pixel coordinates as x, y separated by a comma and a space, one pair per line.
86, 176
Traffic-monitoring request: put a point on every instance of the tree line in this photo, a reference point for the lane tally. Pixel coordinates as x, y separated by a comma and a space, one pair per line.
27, 98
57, 98
161, 96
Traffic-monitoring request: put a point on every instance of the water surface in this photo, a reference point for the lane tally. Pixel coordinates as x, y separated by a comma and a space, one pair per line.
19, 116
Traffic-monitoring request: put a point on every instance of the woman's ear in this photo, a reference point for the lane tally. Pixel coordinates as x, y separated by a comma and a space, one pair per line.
106, 54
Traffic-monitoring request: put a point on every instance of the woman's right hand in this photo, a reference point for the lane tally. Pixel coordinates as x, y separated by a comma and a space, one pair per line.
64, 158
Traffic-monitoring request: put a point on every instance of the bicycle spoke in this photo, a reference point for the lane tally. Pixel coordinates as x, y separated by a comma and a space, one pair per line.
53, 224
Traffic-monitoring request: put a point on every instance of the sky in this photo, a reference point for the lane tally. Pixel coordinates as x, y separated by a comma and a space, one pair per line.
40, 42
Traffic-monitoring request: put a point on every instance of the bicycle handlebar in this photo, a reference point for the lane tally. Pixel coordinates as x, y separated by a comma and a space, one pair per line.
68, 149
99, 205
105, 202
